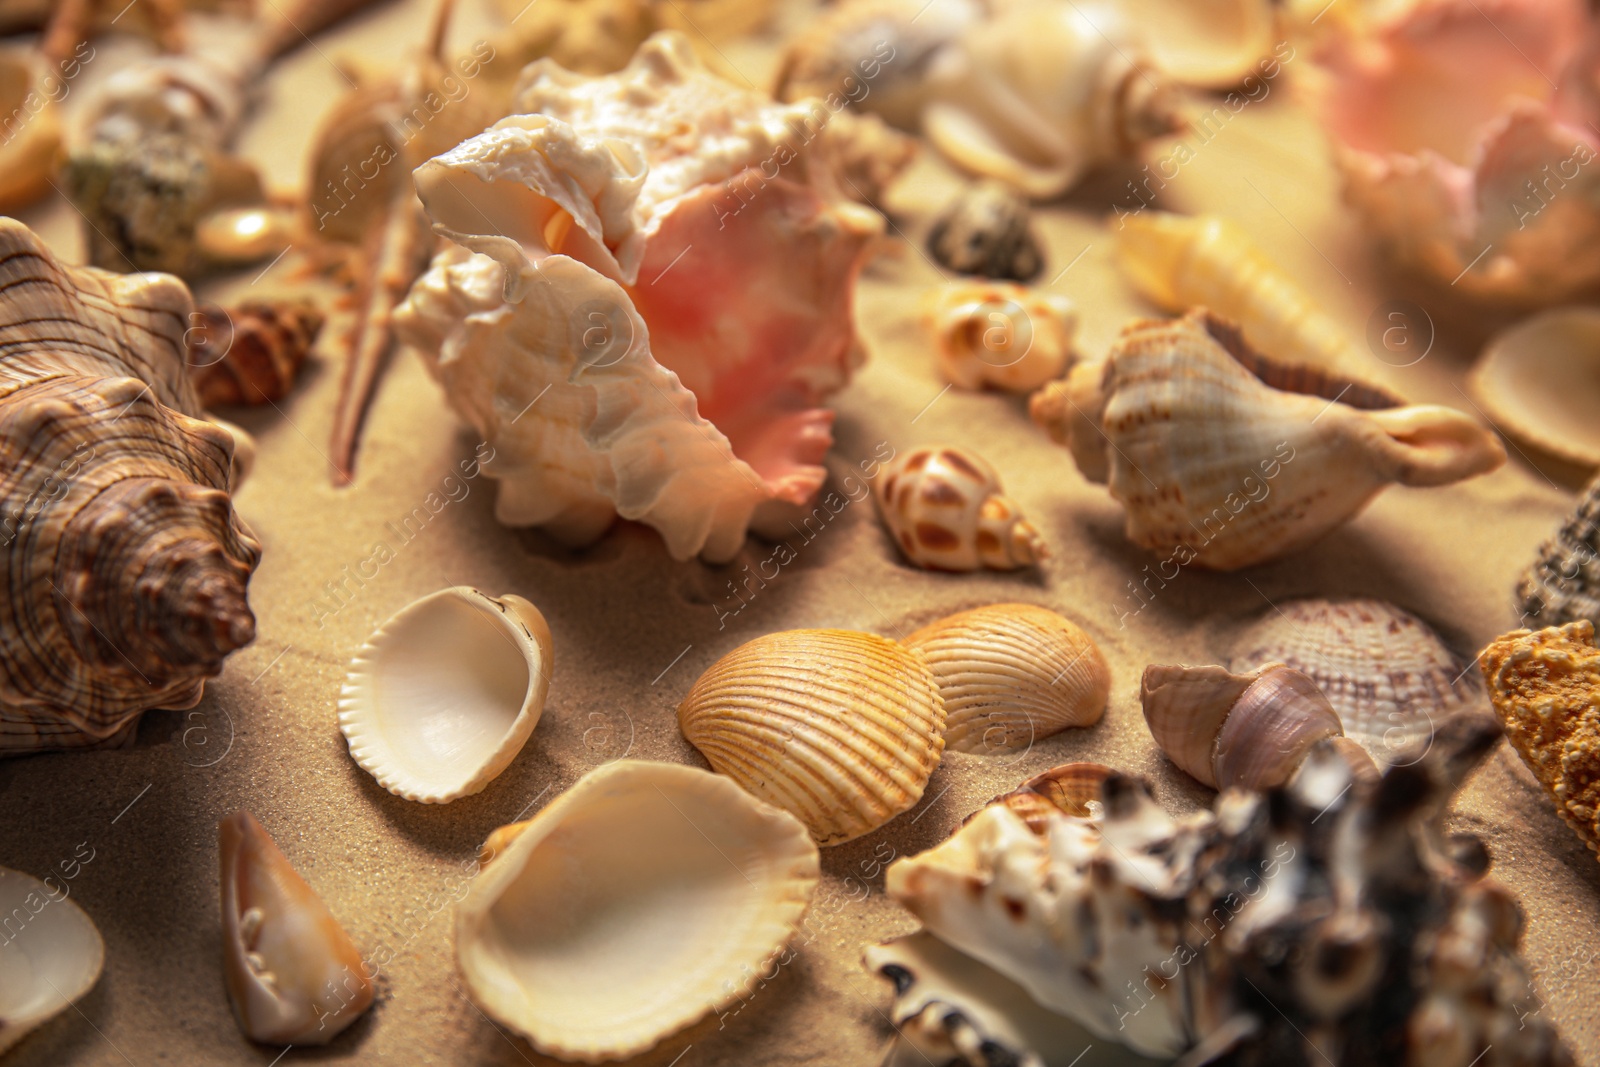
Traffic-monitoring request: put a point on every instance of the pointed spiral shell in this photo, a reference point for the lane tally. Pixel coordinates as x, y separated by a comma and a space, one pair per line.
945, 511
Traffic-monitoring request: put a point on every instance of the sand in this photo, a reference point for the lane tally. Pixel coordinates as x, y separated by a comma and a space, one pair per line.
633, 629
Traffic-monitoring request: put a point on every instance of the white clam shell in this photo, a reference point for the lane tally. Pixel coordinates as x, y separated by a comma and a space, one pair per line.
443, 696
1540, 381
48, 960
645, 897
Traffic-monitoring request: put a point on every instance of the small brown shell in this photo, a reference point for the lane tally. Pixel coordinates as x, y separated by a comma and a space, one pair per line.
840, 728
988, 231
1001, 335
945, 511
1563, 583
250, 353
1071, 789
1011, 674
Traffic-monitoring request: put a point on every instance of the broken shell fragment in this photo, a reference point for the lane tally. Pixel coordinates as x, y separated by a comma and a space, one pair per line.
1563, 584
1010, 674
49, 961
444, 694
1250, 731
1540, 381
840, 728
988, 231
944, 509
293, 974
1225, 458
642, 899
1545, 686
1001, 335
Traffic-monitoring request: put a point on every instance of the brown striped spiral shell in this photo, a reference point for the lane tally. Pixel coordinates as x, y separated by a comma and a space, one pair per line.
946, 512
124, 565
250, 353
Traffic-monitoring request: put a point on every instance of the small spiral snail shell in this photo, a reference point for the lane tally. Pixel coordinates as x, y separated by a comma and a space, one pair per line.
987, 231
1001, 335
250, 353
945, 510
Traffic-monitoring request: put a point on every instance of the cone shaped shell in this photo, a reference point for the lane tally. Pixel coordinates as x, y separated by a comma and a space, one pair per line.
1010, 674
48, 961
444, 695
645, 897
293, 974
946, 511
840, 728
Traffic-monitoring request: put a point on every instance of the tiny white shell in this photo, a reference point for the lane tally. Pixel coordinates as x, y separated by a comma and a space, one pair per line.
944, 508
642, 899
1001, 335
444, 695
54, 957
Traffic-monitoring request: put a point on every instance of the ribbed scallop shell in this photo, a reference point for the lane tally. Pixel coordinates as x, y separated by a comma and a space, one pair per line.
50, 953
1392, 680
1011, 674
642, 899
946, 512
1563, 584
840, 728
445, 693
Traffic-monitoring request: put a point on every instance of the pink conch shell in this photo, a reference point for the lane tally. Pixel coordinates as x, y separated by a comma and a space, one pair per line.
660, 304
1465, 131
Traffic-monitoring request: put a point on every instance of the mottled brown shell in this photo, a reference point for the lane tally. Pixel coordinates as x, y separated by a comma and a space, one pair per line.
988, 231
250, 353
944, 508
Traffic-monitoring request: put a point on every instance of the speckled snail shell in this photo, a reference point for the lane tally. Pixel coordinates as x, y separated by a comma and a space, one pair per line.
125, 565
986, 231
944, 508
1001, 335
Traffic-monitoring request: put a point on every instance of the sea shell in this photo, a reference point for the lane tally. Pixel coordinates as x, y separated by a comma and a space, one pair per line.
1167, 935
1001, 335
1224, 458
1563, 584
51, 953
293, 975
1250, 731
1179, 261
1010, 674
445, 693
945, 511
988, 231
1459, 150
234, 237
863, 155
842, 729
1545, 686
32, 129
1070, 789
1536, 381
1211, 44
645, 897
126, 567
1391, 679
249, 353
654, 322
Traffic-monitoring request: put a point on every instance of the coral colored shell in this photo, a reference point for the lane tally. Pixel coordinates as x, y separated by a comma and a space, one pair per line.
988, 231
1179, 262
1001, 335
840, 728
1464, 130
1540, 381
1010, 674
126, 567
1391, 679
944, 509
1545, 686
250, 353
640, 900
293, 974
51, 954
1563, 584
444, 695
1227, 459
637, 338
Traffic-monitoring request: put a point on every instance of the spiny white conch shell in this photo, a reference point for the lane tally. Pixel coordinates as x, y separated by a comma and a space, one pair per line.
638, 338
840, 728
1224, 458
1182, 261
1540, 381
640, 900
945, 511
444, 694
1465, 133
125, 565
32, 128
1563, 582
1001, 335
1250, 731
1391, 679
50, 956
1010, 674
293, 975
